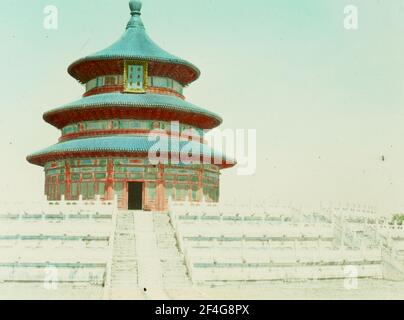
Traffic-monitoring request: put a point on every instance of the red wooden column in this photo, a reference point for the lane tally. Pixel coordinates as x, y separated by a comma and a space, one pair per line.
68, 181
125, 194
110, 179
160, 190
200, 183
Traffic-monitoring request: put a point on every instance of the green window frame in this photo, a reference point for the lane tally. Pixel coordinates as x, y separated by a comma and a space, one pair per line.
118, 187
75, 189
195, 190
151, 191
90, 190
136, 176
170, 191
87, 176
135, 76
100, 176
181, 191
62, 189
84, 190
101, 188
150, 176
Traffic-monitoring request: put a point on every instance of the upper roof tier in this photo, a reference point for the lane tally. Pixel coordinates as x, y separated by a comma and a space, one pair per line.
135, 44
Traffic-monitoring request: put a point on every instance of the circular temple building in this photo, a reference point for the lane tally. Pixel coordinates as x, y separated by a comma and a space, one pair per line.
133, 102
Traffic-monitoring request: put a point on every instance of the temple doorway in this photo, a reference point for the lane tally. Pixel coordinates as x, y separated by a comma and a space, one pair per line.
135, 195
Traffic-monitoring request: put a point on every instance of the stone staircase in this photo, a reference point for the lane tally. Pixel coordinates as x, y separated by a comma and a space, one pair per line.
146, 260
175, 274
124, 270
149, 266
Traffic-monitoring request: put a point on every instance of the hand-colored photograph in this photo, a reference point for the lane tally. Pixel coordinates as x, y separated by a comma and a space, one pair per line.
202, 150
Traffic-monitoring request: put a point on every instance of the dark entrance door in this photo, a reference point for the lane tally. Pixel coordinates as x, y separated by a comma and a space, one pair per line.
135, 196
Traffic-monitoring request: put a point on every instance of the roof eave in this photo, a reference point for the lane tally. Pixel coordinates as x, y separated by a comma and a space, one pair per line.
189, 65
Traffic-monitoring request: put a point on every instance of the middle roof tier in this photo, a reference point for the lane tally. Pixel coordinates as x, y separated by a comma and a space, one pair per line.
132, 106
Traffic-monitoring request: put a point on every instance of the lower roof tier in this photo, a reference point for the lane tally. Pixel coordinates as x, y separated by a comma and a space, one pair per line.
167, 150
132, 106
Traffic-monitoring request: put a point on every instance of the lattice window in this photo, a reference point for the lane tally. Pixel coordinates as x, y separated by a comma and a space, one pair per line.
135, 76
101, 188
97, 125
75, 189
118, 187
181, 191
170, 191
99, 176
136, 176
195, 190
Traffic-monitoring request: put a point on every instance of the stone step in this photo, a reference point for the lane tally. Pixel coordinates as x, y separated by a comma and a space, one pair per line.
125, 275
172, 251
124, 242
176, 275
124, 280
171, 259
124, 271
173, 263
123, 248
120, 284
170, 269
125, 255
124, 268
129, 250
124, 264
177, 281
125, 259
176, 278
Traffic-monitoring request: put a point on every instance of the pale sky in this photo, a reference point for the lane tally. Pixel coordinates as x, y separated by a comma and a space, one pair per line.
327, 103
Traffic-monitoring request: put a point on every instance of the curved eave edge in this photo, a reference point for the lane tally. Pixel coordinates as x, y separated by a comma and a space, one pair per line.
46, 115
38, 158
122, 57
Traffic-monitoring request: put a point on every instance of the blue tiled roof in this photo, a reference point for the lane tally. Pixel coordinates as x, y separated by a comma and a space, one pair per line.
134, 100
136, 44
124, 143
